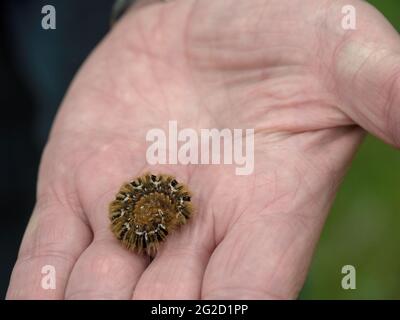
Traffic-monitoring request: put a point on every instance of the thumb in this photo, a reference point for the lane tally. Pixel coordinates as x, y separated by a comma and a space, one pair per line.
367, 76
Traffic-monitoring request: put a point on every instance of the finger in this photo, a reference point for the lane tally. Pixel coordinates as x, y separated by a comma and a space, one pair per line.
266, 254
106, 269
54, 239
367, 74
178, 268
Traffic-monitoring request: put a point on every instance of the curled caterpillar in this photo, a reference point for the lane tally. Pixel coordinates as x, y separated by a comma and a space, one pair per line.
147, 209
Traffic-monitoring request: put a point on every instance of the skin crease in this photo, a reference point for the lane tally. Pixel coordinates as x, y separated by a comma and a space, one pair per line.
283, 67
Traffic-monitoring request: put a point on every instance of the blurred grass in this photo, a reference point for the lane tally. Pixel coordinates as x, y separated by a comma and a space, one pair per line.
363, 228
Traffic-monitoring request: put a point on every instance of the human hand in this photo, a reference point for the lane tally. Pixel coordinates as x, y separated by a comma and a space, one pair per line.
286, 69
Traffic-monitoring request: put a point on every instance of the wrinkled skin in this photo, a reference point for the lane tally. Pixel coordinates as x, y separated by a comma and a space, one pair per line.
286, 68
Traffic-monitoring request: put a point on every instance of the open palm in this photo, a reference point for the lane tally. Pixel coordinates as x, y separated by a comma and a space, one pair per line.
286, 68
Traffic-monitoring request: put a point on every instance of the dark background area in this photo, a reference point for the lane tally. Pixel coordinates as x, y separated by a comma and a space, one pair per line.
36, 67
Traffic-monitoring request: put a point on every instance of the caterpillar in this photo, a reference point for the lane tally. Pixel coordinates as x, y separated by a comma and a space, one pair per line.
147, 209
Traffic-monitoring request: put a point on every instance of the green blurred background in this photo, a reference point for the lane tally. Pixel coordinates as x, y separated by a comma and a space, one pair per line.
363, 228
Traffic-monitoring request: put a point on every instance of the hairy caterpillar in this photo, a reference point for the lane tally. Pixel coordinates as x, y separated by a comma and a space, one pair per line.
147, 209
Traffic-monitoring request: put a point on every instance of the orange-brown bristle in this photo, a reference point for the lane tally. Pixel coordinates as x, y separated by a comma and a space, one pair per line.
147, 209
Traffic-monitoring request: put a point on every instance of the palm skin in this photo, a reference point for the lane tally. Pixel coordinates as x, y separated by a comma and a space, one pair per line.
286, 69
